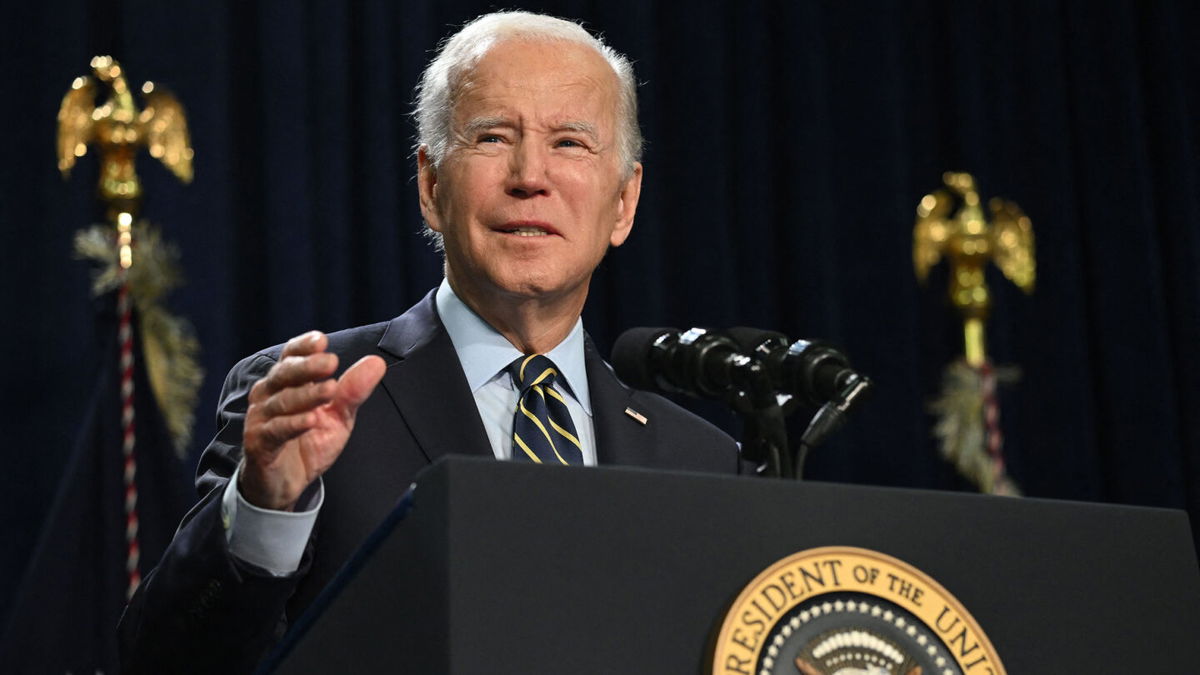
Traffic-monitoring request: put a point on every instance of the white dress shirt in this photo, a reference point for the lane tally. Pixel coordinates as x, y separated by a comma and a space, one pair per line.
275, 540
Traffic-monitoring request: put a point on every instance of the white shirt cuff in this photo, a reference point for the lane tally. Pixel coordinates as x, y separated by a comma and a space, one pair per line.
269, 539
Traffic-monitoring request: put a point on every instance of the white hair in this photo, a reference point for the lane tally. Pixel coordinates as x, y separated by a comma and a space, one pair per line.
463, 50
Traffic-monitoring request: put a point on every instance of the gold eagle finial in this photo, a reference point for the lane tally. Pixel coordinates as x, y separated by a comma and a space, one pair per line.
969, 241
118, 128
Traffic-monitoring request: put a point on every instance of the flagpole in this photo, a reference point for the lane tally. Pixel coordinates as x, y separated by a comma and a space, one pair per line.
119, 129
128, 419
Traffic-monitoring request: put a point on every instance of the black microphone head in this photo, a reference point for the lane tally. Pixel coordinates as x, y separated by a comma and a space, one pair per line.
752, 339
631, 356
815, 371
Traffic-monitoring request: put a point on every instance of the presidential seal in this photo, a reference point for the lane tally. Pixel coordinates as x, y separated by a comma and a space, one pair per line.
849, 611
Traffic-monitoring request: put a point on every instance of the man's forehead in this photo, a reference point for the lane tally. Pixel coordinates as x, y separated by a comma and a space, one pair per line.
538, 67
557, 85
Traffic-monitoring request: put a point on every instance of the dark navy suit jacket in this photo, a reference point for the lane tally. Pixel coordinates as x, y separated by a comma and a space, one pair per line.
201, 610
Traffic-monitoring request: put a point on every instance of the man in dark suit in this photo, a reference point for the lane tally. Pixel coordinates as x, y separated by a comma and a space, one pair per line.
528, 171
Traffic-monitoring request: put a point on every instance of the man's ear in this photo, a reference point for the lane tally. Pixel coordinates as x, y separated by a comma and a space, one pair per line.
627, 202
427, 188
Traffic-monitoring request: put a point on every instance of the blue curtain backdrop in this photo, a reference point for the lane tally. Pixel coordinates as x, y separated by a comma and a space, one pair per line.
789, 143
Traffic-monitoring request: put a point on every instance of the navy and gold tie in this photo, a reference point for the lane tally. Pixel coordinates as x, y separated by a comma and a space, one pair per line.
542, 428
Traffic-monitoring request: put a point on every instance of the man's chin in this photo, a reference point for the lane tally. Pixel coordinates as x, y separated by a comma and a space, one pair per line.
537, 288
516, 281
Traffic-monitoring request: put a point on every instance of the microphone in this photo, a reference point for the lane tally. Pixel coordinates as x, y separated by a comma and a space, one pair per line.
814, 372
757, 372
697, 362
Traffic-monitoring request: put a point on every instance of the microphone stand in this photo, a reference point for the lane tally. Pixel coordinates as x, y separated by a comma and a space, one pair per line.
764, 440
764, 432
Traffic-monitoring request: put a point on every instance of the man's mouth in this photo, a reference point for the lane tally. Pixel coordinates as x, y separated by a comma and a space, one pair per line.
527, 229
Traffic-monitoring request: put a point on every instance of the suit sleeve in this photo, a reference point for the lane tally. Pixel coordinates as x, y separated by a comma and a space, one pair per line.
201, 610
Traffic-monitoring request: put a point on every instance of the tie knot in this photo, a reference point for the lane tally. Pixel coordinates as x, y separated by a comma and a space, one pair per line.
533, 369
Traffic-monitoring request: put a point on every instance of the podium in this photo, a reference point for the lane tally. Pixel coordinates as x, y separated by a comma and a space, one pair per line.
500, 567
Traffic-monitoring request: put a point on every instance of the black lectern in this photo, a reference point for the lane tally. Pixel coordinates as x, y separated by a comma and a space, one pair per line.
508, 568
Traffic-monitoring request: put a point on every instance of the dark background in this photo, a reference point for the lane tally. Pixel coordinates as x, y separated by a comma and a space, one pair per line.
788, 146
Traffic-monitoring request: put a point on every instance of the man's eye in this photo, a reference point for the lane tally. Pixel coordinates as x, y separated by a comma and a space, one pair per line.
490, 138
568, 143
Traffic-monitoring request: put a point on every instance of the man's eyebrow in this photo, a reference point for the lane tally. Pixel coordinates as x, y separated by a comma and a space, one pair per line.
579, 127
479, 124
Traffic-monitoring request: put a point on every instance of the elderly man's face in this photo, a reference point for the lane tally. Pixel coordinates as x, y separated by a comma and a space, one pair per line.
531, 192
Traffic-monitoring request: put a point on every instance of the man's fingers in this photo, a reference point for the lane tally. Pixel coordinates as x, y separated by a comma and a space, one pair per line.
294, 371
279, 430
298, 399
357, 383
303, 360
308, 343
297, 370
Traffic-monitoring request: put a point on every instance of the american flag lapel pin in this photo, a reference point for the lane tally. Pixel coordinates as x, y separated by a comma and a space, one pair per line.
636, 415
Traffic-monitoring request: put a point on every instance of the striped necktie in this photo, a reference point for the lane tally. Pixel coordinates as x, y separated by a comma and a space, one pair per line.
542, 428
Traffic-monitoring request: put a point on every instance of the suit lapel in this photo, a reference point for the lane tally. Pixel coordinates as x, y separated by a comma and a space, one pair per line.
620, 439
427, 385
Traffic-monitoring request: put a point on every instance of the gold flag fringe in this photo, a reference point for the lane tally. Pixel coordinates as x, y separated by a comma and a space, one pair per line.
961, 427
169, 342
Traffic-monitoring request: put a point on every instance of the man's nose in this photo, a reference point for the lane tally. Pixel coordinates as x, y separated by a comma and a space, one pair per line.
527, 171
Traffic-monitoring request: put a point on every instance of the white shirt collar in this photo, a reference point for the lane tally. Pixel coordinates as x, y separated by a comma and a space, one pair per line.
484, 353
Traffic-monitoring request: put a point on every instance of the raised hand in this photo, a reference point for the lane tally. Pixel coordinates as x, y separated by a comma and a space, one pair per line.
299, 420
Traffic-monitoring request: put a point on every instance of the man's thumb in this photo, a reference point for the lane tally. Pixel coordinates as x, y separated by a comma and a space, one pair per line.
357, 383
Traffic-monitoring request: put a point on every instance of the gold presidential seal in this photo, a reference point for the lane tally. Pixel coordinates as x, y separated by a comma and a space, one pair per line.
841, 610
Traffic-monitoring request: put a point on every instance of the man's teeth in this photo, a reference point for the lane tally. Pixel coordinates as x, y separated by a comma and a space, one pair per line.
528, 231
